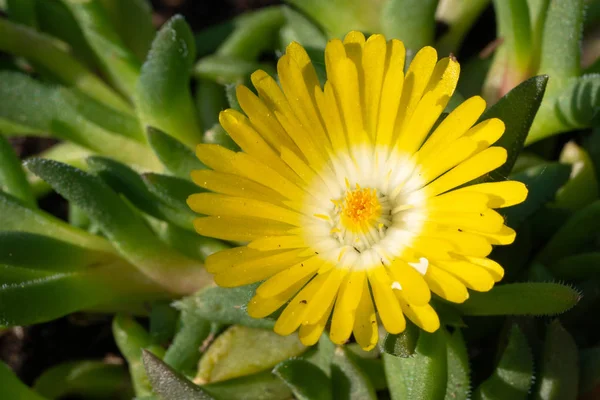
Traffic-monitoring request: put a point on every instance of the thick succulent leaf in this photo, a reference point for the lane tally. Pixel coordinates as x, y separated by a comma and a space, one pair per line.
304, 379
177, 158
17, 216
350, 382
459, 16
171, 190
515, 30
224, 305
116, 60
532, 298
188, 344
422, 376
210, 100
517, 110
125, 229
242, 351
337, 17
209, 38
577, 267
542, 181
127, 182
163, 96
59, 256
300, 29
22, 11
190, 243
412, 21
370, 364
88, 379
218, 135
43, 50
459, 371
12, 177
572, 106
559, 369
513, 376
402, 344
254, 33
163, 321
261, 386
132, 19
168, 383
13, 388
225, 69
574, 235
561, 46
29, 296
582, 187
132, 339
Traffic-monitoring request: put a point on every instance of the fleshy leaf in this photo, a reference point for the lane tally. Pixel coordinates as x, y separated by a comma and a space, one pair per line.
125, 229
559, 369
532, 298
459, 380
582, 188
171, 190
163, 322
350, 382
168, 383
460, 17
241, 351
577, 267
402, 344
306, 380
163, 96
513, 376
517, 110
13, 388
261, 386
422, 376
412, 21
12, 176
93, 379
188, 344
176, 157
542, 181
300, 29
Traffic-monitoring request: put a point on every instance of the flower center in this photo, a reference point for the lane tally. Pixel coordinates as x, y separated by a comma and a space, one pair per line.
361, 209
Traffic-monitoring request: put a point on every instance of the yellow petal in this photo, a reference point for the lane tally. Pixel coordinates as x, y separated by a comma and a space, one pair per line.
239, 229
365, 327
346, 305
281, 281
310, 334
505, 236
491, 266
233, 185
501, 194
332, 116
260, 307
278, 243
424, 316
452, 155
463, 242
385, 300
373, 62
391, 93
476, 166
324, 297
486, 133
227, 258
414, 287
445, 285
458, 201
483, 221
471, 275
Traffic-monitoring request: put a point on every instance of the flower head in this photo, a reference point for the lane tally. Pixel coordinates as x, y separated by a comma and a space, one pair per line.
346, 204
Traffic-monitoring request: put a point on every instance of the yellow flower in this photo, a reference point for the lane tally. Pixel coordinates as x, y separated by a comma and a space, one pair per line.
343, 202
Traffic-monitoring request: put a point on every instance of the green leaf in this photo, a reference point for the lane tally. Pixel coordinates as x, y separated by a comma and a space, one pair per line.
17, 216
208, 39
218, 135
43, 50
168, 383
254, 33
241, 351
543, 181
349, 381
459, 16
224, 305
190, 243
187, 346
13, 388
171, 190
589, 365
533, 298
412, 21
126, 230
513, 375
261, 386
163, 321
163, 95
422, 376
402, 344
517, 110
573, 236
582, 187
12, 176
29, 296
22, 11
116, 60
338, 17
459, 380
132, 20
515, 30
88, 379
572, 106
306, 380
127, 182
227, 69
210, 100
369, 363
132, 338
175, 156
59, 256
561, 46
559, 369
577, 267
300, 29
